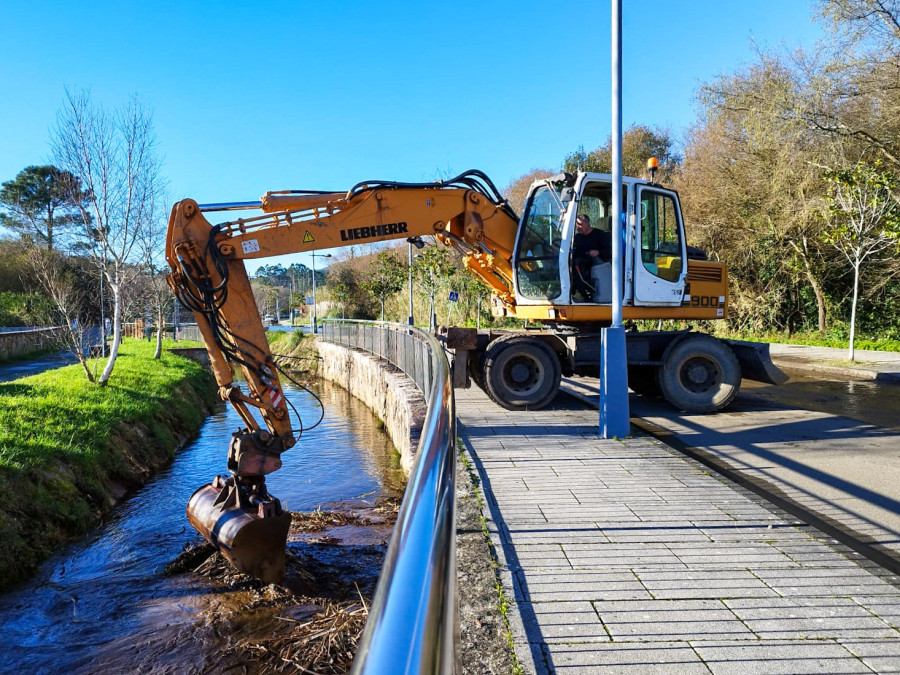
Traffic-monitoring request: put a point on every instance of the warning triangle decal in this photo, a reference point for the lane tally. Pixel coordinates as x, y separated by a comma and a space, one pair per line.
308, 238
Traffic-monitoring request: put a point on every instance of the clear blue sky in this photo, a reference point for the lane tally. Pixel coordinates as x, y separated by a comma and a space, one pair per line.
249, 97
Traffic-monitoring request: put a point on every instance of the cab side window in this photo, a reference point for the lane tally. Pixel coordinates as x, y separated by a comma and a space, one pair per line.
660, 238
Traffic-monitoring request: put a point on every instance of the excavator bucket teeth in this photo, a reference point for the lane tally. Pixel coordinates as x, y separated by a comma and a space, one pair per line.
254, 545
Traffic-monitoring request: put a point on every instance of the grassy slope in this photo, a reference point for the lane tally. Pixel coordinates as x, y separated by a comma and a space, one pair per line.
294, 350
837, 340
69, 449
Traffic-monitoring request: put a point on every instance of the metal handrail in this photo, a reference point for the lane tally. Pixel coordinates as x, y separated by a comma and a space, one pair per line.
413, 618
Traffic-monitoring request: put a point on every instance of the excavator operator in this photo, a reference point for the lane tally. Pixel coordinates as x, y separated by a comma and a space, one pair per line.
590, 247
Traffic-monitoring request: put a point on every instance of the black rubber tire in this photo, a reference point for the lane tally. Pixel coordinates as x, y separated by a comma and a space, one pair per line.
700, 374
521, 373
476, 369
644, 380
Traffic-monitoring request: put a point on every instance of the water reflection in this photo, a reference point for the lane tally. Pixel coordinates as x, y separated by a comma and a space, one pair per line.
861, 400
110, 585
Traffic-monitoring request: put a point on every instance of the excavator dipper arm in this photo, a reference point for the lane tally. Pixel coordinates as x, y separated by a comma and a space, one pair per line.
235, 512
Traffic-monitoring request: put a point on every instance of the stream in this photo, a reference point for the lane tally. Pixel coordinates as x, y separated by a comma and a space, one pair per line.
104, 603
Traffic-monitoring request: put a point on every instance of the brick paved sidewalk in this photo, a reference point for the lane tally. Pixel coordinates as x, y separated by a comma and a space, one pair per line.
626, 556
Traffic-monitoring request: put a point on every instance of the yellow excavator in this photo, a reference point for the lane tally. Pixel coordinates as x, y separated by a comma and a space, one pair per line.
529, 265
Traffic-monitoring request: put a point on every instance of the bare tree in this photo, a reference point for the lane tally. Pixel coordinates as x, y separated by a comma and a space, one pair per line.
517, 190
865, 221
161, 298
69, 301
752, 191
113, 153
156, 295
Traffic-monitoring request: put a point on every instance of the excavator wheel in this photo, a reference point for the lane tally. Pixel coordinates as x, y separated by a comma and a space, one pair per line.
521, 373
700, 374
644, 380
476, 369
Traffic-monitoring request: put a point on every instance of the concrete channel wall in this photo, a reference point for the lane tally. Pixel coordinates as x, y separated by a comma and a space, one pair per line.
384, 388
26, 341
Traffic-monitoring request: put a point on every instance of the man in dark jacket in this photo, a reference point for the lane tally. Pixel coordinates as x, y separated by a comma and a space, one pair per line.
590, 247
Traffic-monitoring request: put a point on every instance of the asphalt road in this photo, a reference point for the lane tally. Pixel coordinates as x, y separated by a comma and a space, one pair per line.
17, 369
825, 450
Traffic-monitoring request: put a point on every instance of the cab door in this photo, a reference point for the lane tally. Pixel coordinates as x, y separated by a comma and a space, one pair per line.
660, 254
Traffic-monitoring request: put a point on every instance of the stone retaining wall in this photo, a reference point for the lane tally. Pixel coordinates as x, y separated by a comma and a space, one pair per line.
384, 388
27, 341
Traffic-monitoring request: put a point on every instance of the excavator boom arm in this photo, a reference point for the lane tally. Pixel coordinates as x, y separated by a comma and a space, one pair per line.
237, 514
209, 275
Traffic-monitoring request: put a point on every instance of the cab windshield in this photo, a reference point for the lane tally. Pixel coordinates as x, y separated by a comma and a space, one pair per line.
537, 255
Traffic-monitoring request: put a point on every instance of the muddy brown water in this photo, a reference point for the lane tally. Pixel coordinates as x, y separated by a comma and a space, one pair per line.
105, 603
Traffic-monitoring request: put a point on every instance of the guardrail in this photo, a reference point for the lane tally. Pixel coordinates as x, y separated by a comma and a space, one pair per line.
413, 618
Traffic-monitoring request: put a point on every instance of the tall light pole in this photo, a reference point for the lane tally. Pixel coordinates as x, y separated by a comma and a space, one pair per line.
291, 296
315, 324
614, 413
410, 318
418, 243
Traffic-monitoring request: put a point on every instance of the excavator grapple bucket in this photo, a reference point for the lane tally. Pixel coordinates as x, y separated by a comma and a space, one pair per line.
252, 537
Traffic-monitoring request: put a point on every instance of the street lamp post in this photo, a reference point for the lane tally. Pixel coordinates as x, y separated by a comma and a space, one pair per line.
418, 243
315, 323
613, 399
410, 318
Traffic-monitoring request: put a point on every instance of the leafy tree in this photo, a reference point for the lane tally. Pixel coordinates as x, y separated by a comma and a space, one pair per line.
386, 277
639, 143
25, 309
344, 285
15, 272
301, 278
864, 220
853, 94
40, 201
274, 275
433, 267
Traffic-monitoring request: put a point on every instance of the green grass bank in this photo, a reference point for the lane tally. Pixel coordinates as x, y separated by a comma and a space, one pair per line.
294, 350
69, 450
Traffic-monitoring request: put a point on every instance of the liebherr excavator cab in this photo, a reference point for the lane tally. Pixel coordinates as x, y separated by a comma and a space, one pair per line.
651, 237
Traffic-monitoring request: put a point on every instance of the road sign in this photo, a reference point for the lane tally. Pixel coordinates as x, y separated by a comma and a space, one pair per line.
454, 296
309, 299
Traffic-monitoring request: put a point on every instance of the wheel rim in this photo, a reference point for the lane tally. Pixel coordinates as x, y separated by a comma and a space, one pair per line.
700, 374
523, 375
